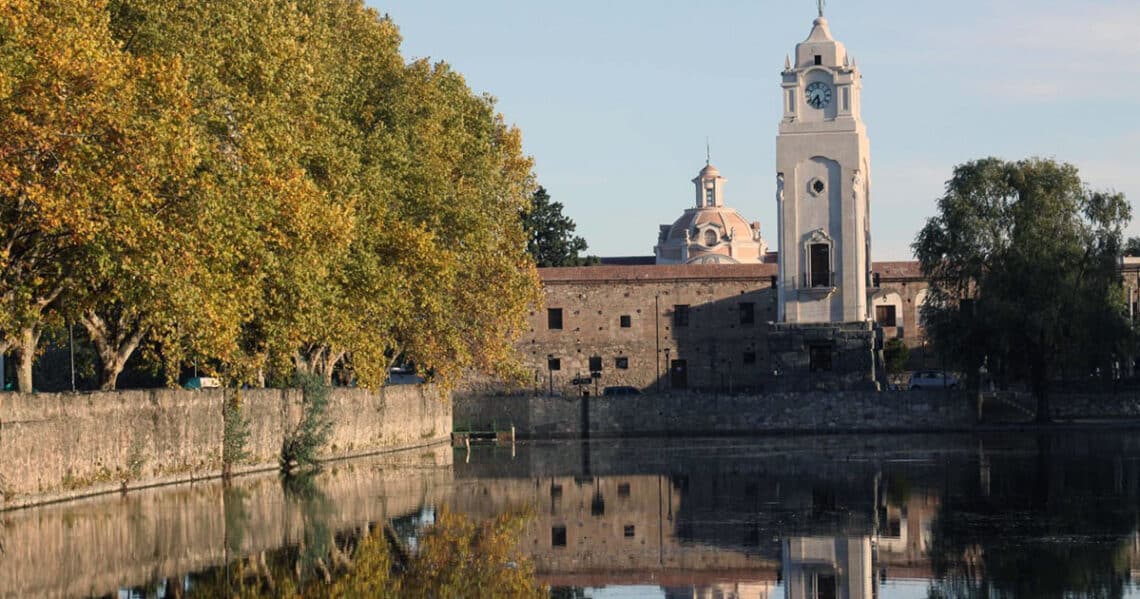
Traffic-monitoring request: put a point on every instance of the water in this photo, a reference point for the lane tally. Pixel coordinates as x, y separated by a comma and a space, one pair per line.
891, 517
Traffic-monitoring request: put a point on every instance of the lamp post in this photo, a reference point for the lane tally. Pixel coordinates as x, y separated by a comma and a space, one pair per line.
550, 372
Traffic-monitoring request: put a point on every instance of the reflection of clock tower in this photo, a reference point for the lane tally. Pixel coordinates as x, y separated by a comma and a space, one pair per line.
823, 186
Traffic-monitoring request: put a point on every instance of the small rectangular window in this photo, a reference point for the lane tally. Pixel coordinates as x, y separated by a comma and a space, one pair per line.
749, 358
885, 316
558, 536
623, 489
628, 531
820, 358
621, 363
555, 490
554, 363
626, 321
818, 59
554, 319
595, 363
747, 313
681, 315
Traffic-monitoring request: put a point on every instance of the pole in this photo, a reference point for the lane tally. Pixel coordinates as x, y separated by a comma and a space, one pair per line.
657, 329
71, 349
550, 373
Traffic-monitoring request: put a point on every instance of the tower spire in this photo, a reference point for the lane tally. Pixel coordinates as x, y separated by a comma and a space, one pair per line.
708, 152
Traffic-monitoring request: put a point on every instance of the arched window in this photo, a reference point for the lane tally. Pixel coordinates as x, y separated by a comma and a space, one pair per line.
710, 237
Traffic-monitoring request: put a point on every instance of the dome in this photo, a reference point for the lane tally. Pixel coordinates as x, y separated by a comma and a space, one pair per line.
709, 171
723, 218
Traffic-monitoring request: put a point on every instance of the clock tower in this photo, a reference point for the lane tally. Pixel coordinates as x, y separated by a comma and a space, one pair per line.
823, 180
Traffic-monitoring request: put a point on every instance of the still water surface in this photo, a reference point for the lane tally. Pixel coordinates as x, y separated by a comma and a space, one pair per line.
856, 517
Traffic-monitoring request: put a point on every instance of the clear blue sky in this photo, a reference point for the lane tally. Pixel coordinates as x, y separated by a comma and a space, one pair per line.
615, 99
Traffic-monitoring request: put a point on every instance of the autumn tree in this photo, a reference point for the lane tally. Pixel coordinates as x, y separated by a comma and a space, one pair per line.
1022, 265
550, 234
91, 136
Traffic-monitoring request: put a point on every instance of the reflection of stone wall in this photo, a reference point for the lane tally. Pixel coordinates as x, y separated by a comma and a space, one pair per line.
694, 413
96, 546
58, 445
611, 525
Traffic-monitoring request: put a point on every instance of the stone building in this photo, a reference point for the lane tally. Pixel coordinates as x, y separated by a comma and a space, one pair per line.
718, 311
695, 326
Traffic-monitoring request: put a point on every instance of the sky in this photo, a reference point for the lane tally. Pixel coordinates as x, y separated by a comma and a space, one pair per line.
616, 98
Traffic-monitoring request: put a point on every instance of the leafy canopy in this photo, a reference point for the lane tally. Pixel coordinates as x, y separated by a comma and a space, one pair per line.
1022, 266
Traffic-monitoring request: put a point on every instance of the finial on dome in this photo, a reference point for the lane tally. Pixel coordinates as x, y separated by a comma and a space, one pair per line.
822, 4
708, 153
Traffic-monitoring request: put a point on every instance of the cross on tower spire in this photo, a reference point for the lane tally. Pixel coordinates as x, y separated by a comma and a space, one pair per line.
708, 153
822, 4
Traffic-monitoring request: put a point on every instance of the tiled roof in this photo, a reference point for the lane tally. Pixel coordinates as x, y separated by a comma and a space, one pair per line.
693, 272
670, 272
898, 270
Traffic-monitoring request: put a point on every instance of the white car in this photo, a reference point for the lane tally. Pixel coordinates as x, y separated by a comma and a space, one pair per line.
932, 379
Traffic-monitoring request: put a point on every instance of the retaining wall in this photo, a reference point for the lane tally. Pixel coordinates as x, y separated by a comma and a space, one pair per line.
712, 414
55, 446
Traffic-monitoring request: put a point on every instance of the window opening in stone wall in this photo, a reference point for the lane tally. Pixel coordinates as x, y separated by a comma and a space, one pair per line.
554, 319
558, 536
595, 363
710, 237
820, 265
747, 313
554, 363
621, 363
818, 59
681, 315
818, 186
623, 489
626, 321
885, 316
820, 358
826, 586
749, 358
629, 531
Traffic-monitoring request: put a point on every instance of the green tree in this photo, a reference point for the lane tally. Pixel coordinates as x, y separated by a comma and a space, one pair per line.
896, 355
550, 234
1132, 247
1021, 262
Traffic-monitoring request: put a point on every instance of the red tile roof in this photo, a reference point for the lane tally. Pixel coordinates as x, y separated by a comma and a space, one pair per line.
696, 272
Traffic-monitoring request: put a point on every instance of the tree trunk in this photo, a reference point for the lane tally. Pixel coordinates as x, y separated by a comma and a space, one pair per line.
115, 343
25, 358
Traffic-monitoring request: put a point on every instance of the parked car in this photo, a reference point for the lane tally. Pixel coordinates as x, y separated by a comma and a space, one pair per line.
932, 379
202, 382
621, 390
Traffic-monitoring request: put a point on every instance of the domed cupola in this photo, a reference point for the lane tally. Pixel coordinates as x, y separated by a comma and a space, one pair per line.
710, 232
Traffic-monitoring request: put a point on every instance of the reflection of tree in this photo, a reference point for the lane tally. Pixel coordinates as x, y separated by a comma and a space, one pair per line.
457, 557
1053, 530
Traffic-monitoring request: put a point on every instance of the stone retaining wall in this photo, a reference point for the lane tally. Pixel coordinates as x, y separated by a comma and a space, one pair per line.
711, 414
59, 445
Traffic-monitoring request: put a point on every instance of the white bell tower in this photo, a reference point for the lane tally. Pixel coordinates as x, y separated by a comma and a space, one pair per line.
823, 165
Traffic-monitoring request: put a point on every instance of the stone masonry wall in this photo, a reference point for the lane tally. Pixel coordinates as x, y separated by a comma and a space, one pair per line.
64, 445
711, 414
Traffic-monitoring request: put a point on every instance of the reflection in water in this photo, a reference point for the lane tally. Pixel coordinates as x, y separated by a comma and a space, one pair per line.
794, 517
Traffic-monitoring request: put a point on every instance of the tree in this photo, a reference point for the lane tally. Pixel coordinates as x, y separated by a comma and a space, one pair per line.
550, 234
1021, 262
896, 355
1132, 247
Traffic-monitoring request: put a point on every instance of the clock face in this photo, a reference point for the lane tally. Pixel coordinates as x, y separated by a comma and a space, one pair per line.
818, 94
